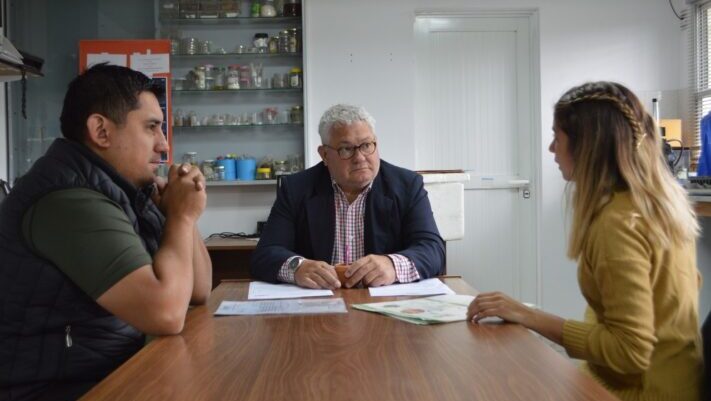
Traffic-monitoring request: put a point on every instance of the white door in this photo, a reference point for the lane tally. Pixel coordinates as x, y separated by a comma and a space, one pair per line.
475, 97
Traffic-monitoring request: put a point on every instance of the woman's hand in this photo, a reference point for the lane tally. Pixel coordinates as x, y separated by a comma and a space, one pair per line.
496, 304
501, 305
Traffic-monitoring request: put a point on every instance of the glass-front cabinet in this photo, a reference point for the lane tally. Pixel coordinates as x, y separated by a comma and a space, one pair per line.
237, 87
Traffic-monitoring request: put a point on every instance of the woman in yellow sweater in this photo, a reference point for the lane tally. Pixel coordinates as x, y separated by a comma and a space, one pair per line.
633, 235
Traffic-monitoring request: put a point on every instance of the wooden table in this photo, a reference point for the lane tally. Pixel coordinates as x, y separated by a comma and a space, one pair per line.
230, 258
703, 208
358, 356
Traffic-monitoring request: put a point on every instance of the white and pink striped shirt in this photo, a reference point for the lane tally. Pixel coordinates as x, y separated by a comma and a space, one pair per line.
349, 238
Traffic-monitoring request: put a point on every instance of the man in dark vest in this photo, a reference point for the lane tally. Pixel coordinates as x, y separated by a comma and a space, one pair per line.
95, 251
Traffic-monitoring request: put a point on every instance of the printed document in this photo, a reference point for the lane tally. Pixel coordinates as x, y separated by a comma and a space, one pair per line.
282, 307
431, 286
439, 309
262, 290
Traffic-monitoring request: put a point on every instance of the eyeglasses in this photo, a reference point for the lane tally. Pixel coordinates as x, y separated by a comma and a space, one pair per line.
346, 152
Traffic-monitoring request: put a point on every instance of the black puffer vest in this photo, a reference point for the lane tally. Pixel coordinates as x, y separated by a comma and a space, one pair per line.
51, 332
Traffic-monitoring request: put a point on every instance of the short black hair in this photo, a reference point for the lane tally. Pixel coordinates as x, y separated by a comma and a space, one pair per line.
109, 90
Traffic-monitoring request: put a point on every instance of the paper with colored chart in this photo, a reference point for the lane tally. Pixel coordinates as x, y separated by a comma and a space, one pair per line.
430, 310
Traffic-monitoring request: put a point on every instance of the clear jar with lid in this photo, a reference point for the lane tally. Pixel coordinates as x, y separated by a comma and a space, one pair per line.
208, 169
189, 9
273, 44
209, 9
283, 45
267, 9
295, 78
263, 173
233, 77
220, 78
219, 173
261, 42
199, 77
292, 8
294, 41
168, 9
230, 8
296, 116
279, 168
190, 158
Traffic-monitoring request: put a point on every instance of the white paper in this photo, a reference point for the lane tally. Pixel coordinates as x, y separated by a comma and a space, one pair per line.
150, 64
113, 59
431, 286
282, 307
261, 290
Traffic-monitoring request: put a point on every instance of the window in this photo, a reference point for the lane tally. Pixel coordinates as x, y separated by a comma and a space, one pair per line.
701, 73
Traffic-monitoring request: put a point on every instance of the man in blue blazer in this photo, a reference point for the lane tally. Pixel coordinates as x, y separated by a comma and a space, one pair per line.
351, 209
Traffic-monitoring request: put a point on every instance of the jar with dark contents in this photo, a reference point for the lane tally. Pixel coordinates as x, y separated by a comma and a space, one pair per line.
292, 8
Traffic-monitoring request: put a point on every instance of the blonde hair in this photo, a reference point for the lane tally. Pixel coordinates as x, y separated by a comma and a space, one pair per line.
615, 145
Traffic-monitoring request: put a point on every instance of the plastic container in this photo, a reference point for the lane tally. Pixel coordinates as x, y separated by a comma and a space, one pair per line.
246, 169
230, 166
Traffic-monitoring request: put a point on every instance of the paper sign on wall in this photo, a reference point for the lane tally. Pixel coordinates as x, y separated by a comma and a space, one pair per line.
150, 64
113, 59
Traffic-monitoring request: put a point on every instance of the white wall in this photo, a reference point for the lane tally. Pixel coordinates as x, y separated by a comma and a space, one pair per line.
363, 52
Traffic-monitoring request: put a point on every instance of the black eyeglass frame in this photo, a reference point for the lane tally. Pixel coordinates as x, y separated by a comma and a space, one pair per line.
349, 151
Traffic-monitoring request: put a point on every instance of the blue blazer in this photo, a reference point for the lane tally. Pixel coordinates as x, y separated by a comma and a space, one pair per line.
398, 219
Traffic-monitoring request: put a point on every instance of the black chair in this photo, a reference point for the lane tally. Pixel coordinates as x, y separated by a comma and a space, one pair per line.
706, 336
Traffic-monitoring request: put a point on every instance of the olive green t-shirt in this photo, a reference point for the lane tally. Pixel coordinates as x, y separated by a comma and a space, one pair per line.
87, 236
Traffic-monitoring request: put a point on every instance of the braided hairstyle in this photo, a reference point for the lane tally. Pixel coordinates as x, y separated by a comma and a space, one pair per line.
615, 146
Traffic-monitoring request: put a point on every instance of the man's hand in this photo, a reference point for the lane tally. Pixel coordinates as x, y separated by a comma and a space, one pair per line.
161, 182
183, 194
316, 274
373, 270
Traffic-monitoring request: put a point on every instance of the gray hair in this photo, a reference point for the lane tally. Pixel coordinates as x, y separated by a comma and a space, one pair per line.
342, 114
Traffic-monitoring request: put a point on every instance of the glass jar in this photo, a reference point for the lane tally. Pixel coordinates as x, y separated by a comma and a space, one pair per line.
263, 173
190, 158
297, 115
168, 9
209, 77
255, 9
283, 44
267, 9
273, 44
209, 9
219, 173
199, 77
260, 42
279, 168
245, 77
189, 9
295, 78
230, 9
220, 79
293, 41
233, 77
208, 169
292, 8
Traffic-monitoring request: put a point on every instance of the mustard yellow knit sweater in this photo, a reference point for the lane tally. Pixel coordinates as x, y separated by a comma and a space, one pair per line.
641, 336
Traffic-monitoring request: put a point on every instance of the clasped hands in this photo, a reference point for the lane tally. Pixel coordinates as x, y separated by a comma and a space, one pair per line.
183, 194
371, 270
